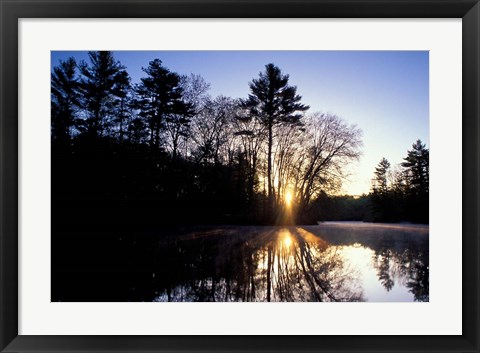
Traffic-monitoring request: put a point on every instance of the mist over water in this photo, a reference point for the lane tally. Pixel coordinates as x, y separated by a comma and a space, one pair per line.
328, 262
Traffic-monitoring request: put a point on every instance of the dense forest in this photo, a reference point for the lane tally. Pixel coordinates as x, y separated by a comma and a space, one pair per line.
163, 151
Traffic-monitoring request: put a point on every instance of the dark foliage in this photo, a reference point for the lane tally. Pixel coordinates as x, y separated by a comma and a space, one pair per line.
163, 152
396, 196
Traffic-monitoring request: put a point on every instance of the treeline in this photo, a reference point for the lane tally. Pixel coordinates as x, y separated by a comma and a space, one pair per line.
164, 151
399, 194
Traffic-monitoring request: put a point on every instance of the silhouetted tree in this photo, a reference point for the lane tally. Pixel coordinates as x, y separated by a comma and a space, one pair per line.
211, 129
273, 102
402, 194
381, 194
289, 143
65, 99
416, 166
329, 145
122, 91
251, 135
195, 92
381, 176
99, 86
160, 96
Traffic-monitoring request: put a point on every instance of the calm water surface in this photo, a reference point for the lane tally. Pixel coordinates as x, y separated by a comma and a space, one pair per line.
328, 262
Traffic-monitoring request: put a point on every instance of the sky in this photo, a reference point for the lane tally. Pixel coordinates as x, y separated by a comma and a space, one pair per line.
384, 93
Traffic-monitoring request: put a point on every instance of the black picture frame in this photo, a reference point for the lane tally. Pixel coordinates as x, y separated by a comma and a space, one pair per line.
12, 10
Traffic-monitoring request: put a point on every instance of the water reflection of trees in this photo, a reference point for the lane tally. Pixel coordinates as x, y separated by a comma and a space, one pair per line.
409, 267
270, 265
401, 252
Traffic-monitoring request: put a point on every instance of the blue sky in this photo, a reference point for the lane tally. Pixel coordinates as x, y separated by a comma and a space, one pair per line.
385, 93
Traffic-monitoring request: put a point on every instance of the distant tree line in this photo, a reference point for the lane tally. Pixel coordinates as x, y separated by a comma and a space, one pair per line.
398, 194
163, 150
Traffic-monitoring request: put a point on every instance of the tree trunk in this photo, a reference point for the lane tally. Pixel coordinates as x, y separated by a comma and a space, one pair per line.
152, 128
157, 136
269, 169
269, 269
121, 119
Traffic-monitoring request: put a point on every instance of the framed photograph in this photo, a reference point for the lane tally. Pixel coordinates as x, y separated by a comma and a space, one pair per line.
239, 176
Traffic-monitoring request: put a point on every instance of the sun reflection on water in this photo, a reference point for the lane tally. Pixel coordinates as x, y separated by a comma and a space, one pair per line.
298, 264
286, 239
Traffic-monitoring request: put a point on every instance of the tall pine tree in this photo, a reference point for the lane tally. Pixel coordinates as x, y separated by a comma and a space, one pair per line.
381, 174
122, 91
98, 86
160, 98
273, 102
65, 99
416, 167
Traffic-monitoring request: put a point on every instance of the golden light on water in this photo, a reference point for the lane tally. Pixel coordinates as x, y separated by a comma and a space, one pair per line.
287, 240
